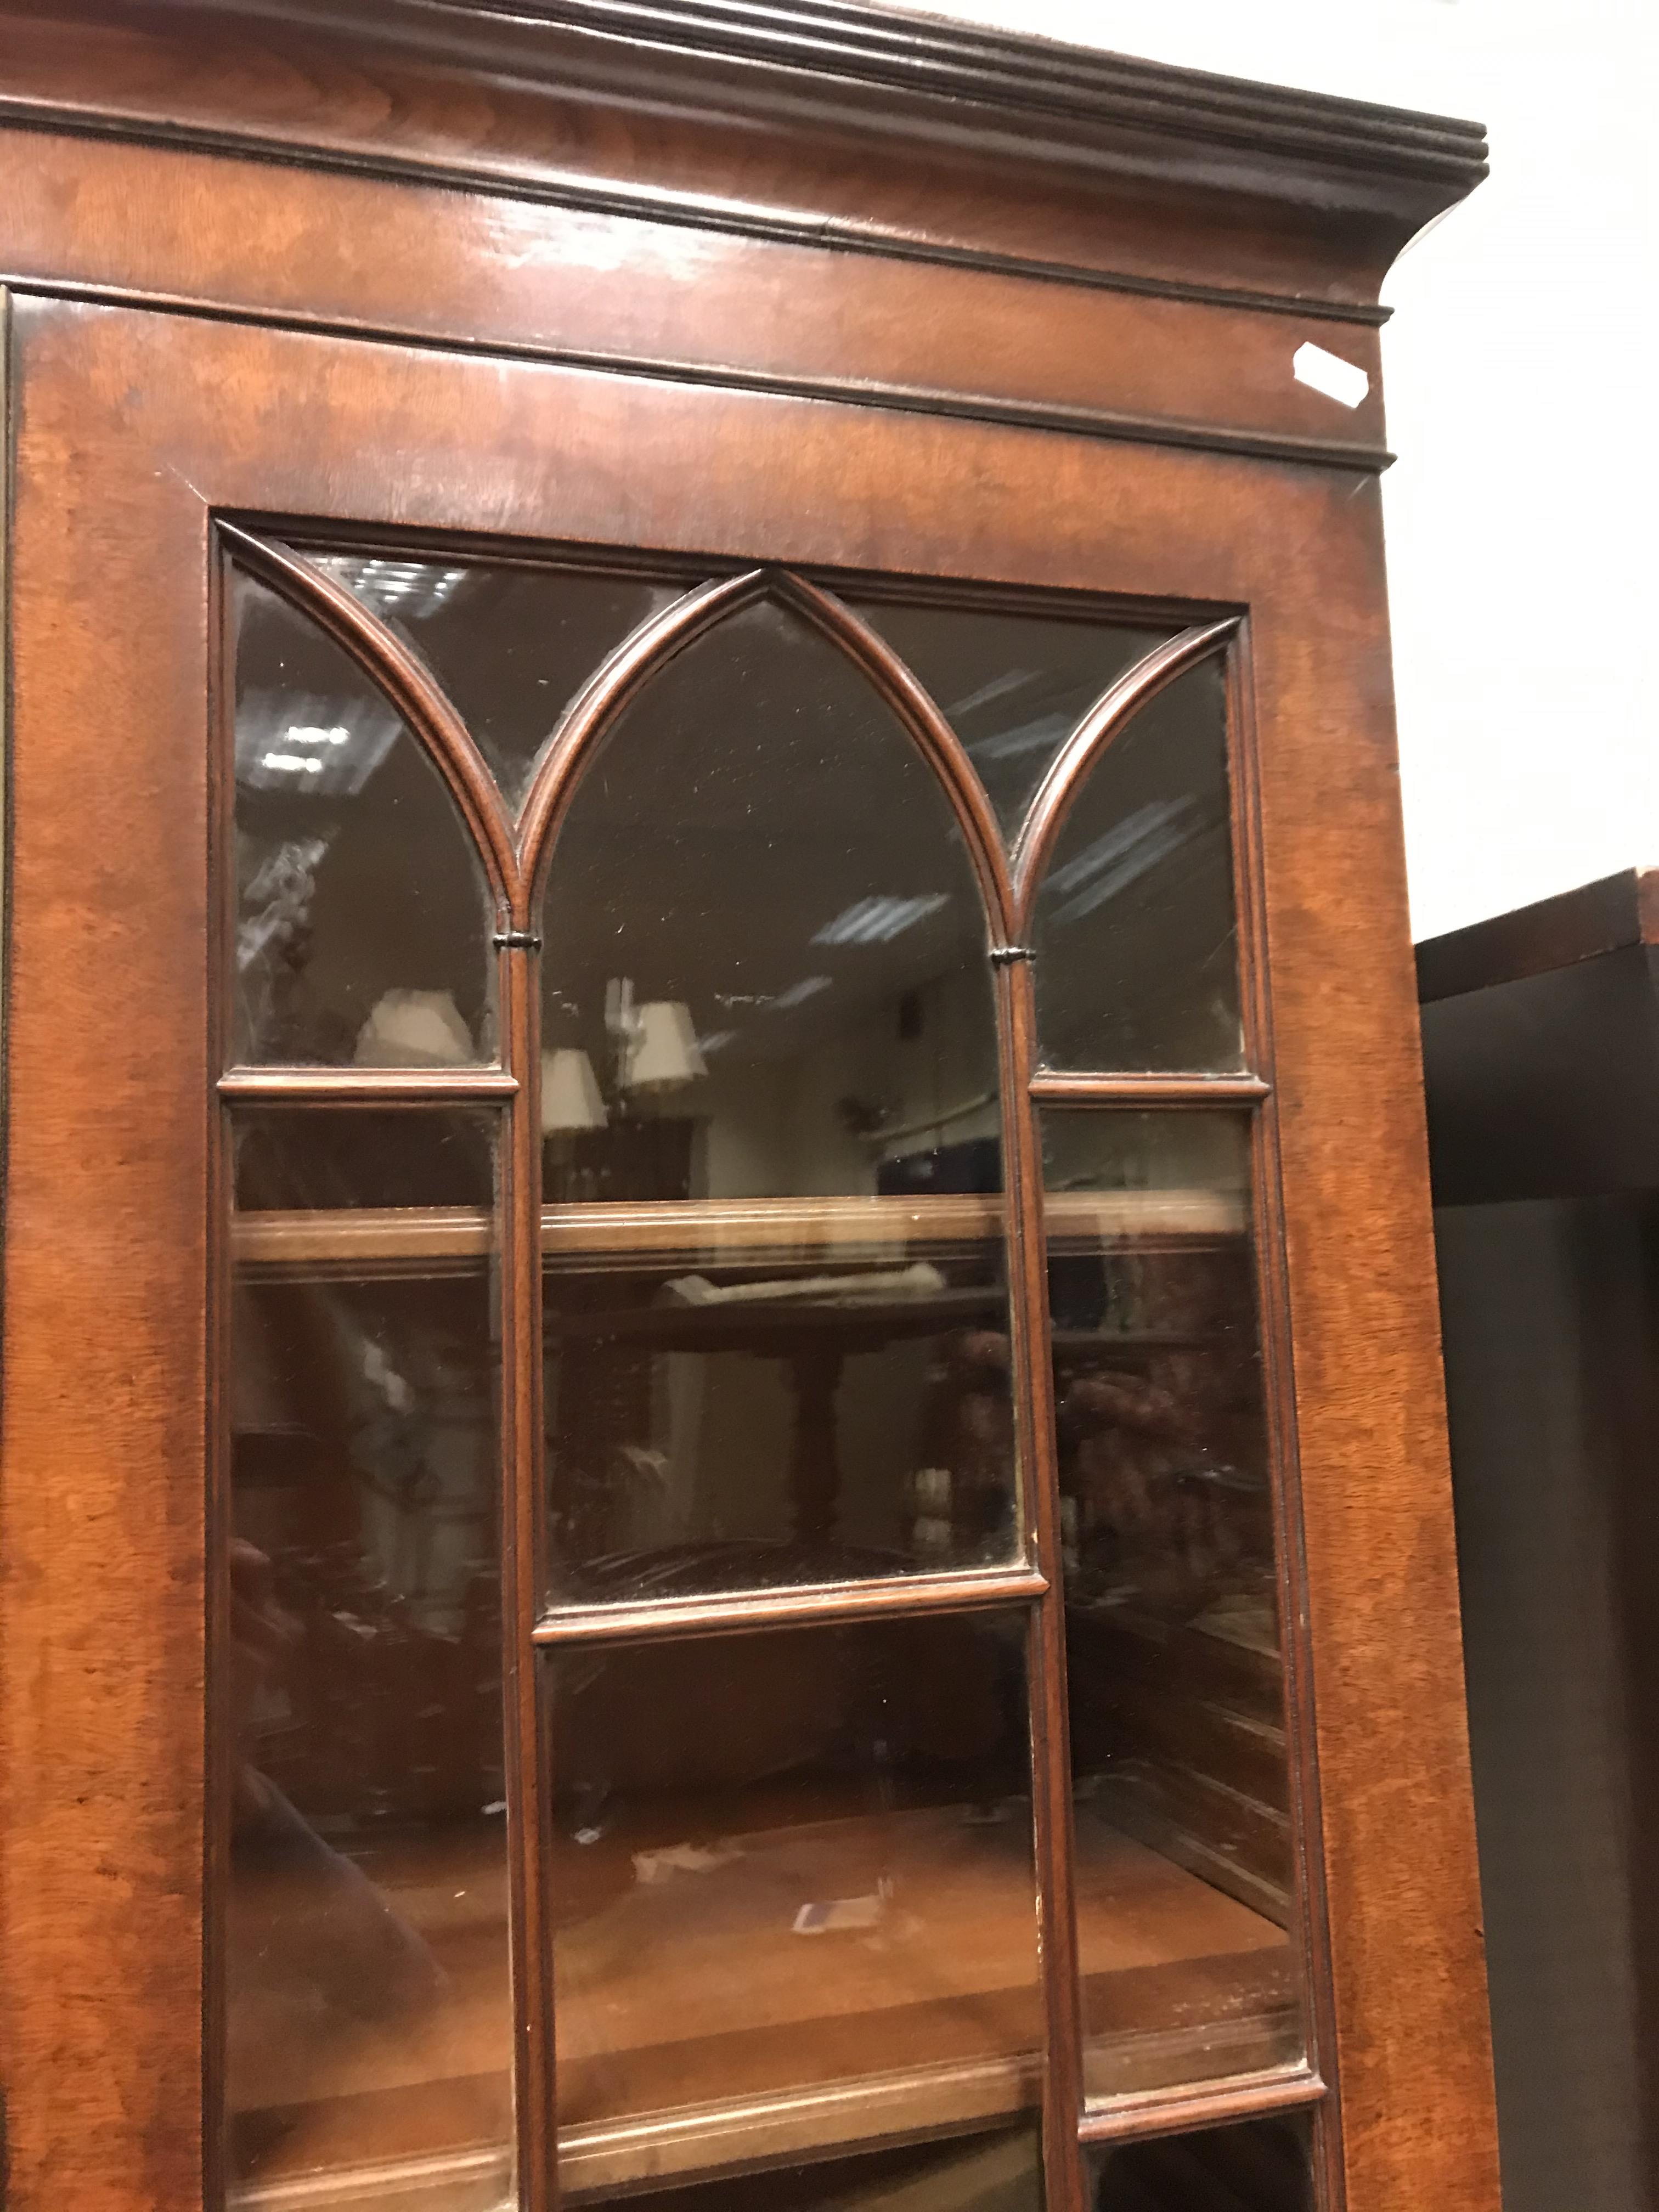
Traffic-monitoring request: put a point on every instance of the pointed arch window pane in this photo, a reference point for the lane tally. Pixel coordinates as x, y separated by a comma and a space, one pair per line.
363, 919
511, 643
1013, 686
769, 1015
1136, 938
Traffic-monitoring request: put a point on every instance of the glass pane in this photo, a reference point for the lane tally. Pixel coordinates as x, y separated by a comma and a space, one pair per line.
1013, 687
368, 2010
511, 645
1177, 1717
363, 922
776, 1318
1137, 945
792, 1893
779, 1402
997, 2170
1255, 2166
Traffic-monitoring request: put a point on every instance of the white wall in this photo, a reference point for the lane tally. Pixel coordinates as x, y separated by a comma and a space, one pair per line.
1522, 384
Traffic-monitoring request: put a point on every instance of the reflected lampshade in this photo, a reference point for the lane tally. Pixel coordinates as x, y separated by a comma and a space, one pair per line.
414, 1029
570, 1093
665, 1052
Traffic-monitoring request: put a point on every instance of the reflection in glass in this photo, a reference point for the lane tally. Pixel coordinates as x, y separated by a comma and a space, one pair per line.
1013, 686
1175, 1678
794, 1397
1137, 948
765, 980
369, 2012
363, 924
791, 1868
994, 2170
1255, 2166
510, 644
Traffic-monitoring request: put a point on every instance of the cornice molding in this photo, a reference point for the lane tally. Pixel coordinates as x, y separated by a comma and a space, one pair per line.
830, 121
932, 58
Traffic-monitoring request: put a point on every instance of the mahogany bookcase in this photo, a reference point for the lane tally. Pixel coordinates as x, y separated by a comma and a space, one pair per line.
725, 1476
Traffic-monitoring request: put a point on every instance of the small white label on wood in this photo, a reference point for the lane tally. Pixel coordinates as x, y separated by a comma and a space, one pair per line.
1337, 379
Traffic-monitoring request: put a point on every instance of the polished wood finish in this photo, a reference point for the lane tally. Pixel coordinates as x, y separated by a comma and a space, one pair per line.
414, 260
1406, 2047
855, 266
1053, 161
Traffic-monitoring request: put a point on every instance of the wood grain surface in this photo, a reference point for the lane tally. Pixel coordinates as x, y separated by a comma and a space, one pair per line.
129, 429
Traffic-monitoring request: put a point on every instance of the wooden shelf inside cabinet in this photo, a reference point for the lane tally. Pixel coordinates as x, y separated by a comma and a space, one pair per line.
371, 1242
697, 2062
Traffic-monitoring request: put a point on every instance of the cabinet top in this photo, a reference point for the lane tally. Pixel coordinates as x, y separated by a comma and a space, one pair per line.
880, 121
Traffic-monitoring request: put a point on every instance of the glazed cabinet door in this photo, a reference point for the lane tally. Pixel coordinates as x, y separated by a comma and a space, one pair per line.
717, 1421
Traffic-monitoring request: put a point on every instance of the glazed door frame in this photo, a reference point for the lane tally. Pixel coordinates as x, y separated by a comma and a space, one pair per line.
131, 432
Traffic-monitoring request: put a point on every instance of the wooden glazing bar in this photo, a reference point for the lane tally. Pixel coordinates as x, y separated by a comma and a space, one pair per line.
220, 1745
929, 731
365, 1086
1104, 723
595, 709
1172, 2111
1051, 1758
521, 1589
815, 1604
1051, 1089
396, 669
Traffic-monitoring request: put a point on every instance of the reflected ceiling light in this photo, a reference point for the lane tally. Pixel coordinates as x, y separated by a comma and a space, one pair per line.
1126, 852
334, 745
1041, 735
798, 993
878, 920
571, 1098
411, 588
998, 688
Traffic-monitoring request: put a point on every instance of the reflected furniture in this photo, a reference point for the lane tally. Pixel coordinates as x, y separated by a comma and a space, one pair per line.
723, 1477
1541, 1053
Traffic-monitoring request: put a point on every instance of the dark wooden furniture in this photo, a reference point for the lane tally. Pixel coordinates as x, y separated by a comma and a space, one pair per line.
1540, 1034
825, 504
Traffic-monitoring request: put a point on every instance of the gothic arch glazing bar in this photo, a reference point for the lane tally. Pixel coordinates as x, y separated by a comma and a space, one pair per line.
401, 674
596, 707
1102, 723
591, 713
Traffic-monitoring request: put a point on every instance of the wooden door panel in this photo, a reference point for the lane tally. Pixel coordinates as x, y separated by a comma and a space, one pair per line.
132, 430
